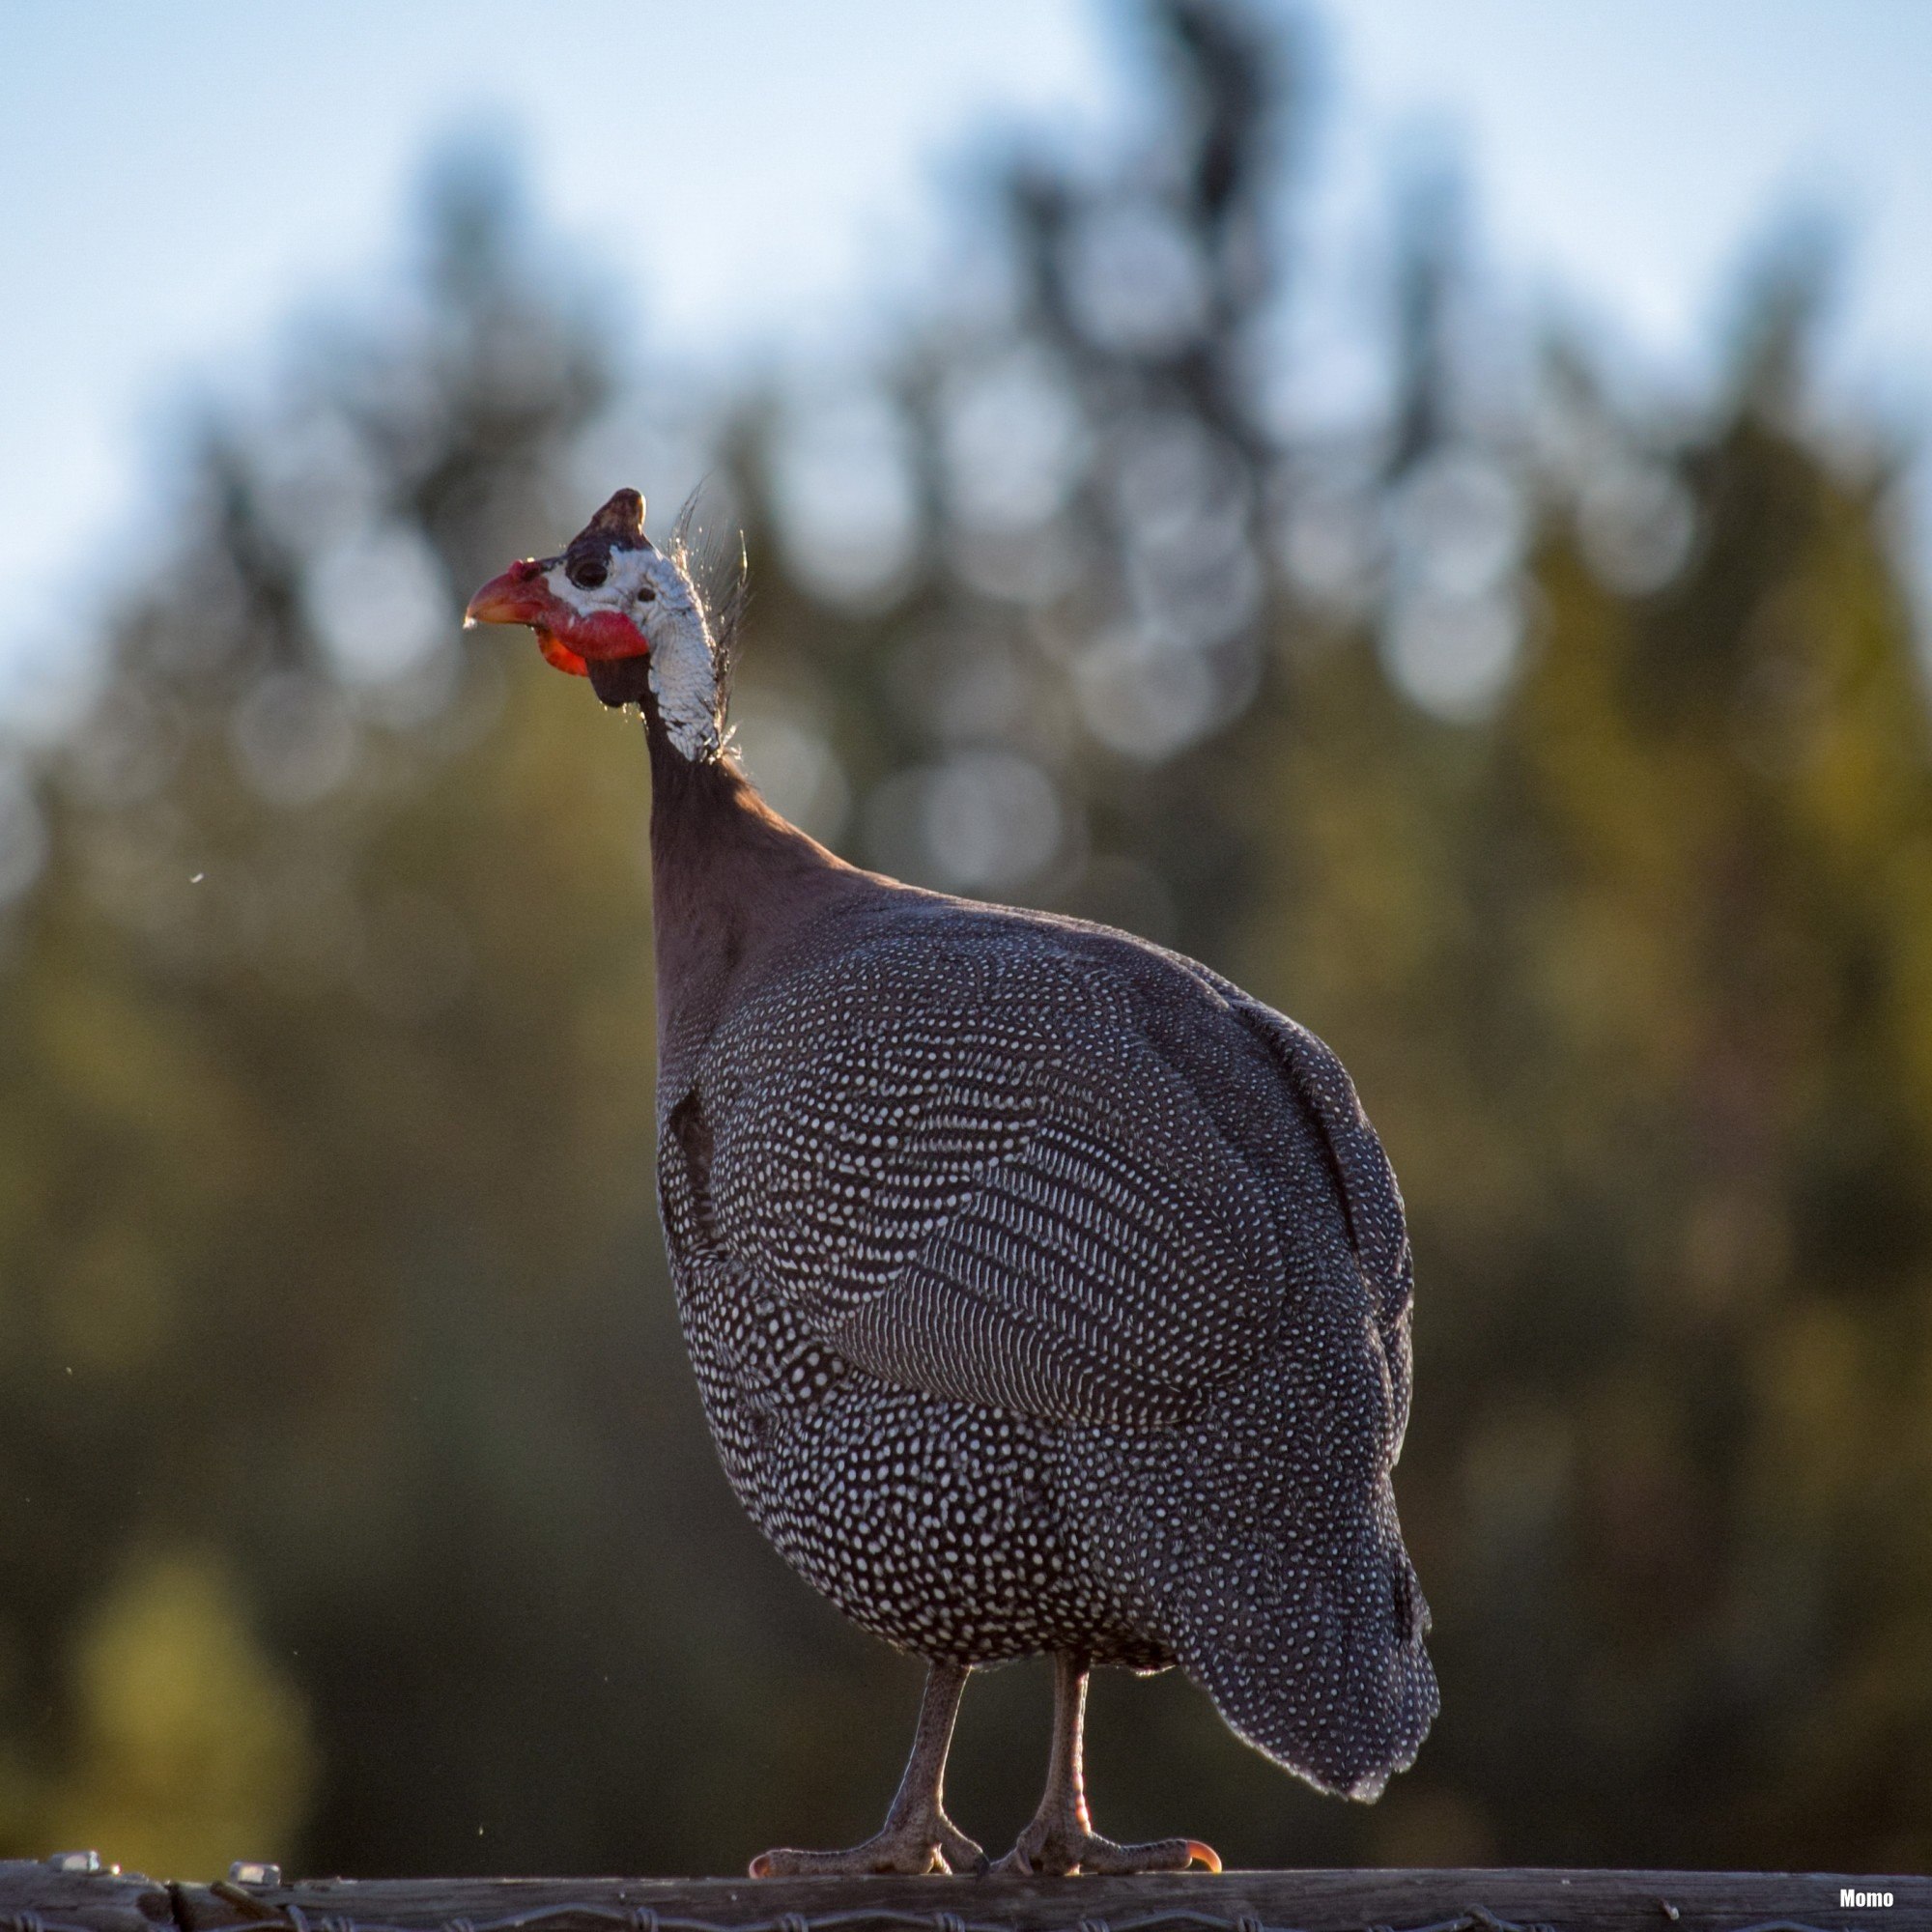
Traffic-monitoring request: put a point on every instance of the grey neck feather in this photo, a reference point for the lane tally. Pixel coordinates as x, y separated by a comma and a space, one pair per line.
684, 677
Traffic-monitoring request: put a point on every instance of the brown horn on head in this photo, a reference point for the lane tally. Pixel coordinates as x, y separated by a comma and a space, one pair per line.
621, 520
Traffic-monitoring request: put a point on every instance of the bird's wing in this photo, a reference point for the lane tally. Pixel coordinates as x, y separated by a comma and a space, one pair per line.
974, 1177
1371, 1199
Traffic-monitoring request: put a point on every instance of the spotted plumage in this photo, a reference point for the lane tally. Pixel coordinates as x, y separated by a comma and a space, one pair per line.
1045, 1292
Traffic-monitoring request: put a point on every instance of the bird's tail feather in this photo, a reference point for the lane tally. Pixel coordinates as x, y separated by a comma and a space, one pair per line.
1312, 1650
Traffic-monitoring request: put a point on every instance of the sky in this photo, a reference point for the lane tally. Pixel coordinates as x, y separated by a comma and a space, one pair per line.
752, 177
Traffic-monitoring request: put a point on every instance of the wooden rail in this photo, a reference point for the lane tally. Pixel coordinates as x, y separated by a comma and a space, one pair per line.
68, 1895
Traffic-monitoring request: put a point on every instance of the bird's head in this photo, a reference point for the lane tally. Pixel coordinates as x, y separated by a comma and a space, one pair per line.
614, 608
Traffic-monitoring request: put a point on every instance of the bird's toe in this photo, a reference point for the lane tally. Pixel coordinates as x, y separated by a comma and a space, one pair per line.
1164, 1855
1050, 1851
907, 1850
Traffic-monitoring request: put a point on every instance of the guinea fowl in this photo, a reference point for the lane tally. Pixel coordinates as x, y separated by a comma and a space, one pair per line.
1047, 1292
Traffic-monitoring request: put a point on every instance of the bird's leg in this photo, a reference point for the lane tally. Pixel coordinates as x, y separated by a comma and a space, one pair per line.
918, 1835
1062, 1839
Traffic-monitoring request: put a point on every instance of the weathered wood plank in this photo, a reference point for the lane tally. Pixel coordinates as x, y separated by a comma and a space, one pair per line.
62, 1892
32, 1898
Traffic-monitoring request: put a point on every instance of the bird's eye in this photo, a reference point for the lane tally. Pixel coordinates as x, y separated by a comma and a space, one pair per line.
647, 593
588, 573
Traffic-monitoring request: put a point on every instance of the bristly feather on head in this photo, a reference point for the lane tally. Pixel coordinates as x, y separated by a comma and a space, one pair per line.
717, 566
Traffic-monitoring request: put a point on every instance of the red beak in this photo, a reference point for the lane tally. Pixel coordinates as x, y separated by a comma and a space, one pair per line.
520, 596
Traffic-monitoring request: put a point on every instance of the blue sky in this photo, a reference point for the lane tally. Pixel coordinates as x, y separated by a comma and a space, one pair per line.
178, 180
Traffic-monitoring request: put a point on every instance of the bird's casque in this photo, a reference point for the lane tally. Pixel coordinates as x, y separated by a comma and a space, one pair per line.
1047, 1292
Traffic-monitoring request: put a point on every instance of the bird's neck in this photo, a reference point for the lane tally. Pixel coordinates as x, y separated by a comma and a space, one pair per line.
732, 885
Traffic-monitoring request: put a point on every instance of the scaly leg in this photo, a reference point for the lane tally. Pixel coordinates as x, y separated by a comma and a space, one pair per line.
918, 1835
1062, 1839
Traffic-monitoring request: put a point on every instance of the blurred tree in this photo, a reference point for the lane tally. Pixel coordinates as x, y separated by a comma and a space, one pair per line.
300, 1158
1566, 765
1650, 937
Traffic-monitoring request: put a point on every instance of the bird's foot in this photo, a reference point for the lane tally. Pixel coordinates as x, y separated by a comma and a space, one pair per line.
1058, 1845
928, 1842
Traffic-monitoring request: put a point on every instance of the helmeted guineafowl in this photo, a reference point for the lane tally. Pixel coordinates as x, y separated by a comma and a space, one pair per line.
1045, 1292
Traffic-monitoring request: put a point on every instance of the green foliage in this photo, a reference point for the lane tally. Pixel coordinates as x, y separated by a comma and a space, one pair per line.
1567, 768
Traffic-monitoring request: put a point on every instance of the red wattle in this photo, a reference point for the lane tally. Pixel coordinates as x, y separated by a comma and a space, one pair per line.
561, 655
607, 634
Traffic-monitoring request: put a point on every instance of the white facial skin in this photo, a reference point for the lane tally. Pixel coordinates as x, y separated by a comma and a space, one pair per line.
654, 594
